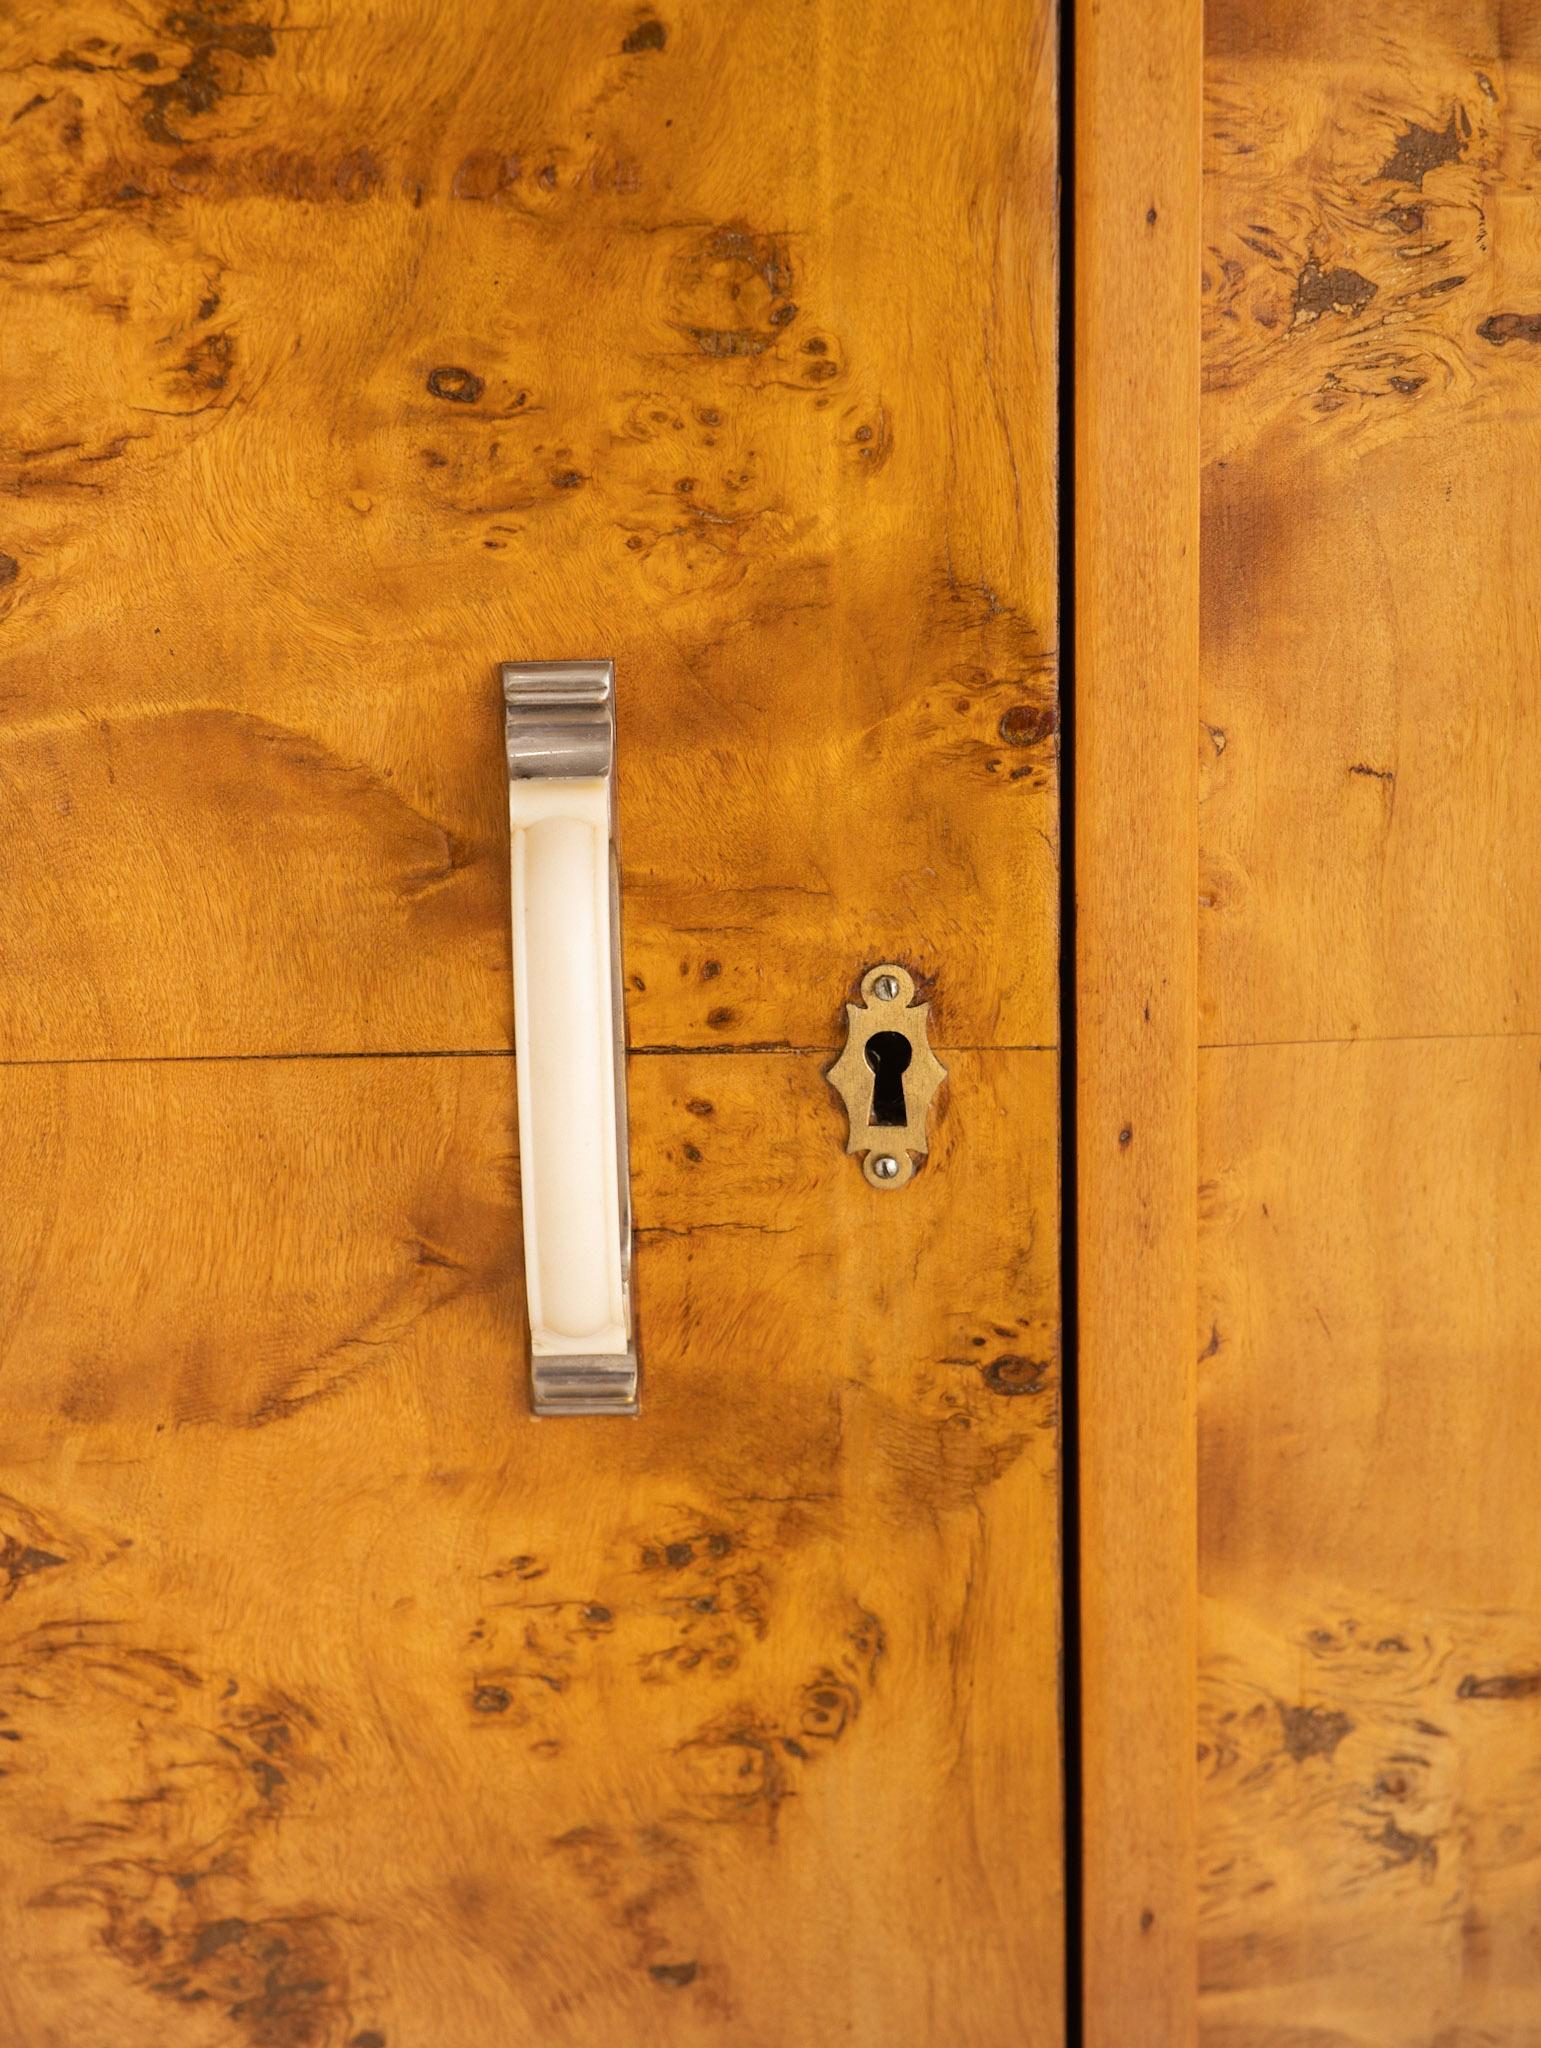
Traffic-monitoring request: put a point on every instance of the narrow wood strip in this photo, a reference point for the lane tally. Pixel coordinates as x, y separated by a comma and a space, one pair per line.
1136, 163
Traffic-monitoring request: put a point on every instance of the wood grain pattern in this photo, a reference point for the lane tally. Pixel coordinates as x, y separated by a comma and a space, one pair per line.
1371, 1621
1138, 106
1371, 435
345, 1704
349, 350
1371, 1752
352, 349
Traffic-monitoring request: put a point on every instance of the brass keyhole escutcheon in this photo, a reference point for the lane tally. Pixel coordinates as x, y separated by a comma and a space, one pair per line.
887, 1076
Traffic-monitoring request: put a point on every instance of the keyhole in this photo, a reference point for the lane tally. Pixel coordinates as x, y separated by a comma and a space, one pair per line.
888, 1054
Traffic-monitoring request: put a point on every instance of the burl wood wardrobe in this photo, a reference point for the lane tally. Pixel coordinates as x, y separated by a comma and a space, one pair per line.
1015, 535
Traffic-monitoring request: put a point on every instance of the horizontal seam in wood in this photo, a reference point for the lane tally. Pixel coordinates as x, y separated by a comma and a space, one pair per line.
175, 1059
1367, 1038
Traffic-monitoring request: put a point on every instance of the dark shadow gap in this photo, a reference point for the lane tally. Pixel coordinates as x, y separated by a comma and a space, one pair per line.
1070, 1431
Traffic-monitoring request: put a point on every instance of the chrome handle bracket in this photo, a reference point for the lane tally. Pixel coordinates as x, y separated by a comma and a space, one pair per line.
570, 1035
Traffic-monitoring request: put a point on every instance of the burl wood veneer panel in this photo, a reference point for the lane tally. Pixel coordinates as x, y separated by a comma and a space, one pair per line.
348, 349
1371, 547
1370, 1473
341, 1704
1371, 1741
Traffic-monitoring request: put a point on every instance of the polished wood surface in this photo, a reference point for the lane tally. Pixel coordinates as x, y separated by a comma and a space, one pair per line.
1136, 398
1371, 1618
1371, 1732
343, 1701
351, 350
346, 352
1371, 554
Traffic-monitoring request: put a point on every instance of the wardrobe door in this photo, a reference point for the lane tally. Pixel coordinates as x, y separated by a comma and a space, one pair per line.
350, 351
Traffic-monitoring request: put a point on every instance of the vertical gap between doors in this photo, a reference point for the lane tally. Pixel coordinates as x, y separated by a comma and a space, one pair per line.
1070, 1435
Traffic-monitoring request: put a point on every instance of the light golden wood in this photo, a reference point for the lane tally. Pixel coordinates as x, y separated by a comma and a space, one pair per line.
343, 1702
1371, 1620
349, 350
1370, 1473
1138, 103
346, 351
1371, 552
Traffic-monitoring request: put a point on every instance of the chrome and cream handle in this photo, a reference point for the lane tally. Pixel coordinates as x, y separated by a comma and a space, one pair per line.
569, 1036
